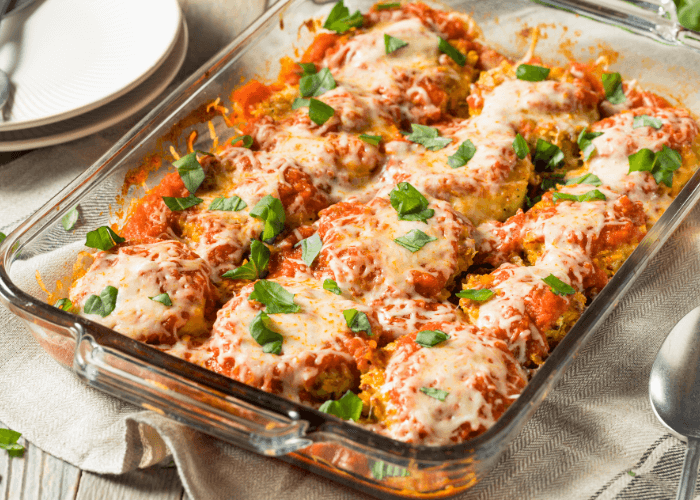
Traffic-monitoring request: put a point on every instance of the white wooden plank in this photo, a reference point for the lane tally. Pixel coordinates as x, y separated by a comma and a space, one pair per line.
150, 484
15, 480
33, 466
59, 479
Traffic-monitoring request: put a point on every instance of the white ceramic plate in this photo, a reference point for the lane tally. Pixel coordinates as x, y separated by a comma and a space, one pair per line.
67, 57
105, 116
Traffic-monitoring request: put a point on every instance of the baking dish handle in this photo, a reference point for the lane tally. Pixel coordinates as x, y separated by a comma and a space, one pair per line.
227, 418
656, 19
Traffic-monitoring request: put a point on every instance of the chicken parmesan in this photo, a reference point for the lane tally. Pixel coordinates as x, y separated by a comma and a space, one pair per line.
400, 228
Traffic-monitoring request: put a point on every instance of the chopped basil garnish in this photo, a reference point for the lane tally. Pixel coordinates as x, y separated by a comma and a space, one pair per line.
357, 321
547, 155
585, 143
233, 204
558, 286
480, 295
386, 6
438, 394
319, 111
163, 298
465, 152
612, 83
340, 20
300, 103
552, 181
177, 204
247, 141
348, 407
454, 54
64, 305
2, 236
414, 240
591, 179
588, 196
531, 202
102, 238
310, 248
68, 221
409, 203
520, 146
271, 211
391, 43
307, 68
332, 286
431, 338
380, 470
647, 121
374, 140
661, 165
428, 137
256, 267
315, 84
191, 172
8, 442
275, 298
102, 305
531, 73
262, 333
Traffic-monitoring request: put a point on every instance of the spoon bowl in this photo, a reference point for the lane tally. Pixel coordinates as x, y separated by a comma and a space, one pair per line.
674, 392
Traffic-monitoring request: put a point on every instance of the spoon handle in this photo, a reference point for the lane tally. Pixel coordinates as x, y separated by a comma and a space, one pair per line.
686, 489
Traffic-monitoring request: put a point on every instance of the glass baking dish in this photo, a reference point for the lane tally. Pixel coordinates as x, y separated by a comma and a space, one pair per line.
266, 423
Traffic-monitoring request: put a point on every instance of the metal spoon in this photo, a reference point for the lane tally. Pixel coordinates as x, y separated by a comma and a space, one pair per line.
674, 391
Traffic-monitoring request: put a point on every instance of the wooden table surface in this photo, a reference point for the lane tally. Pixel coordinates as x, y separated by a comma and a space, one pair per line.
40, 476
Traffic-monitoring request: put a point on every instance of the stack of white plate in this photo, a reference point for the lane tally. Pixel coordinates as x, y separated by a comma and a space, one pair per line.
80, 66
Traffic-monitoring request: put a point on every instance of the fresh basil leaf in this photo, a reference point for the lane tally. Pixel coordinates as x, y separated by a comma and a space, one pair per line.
454, 54
409, 203
588, 196
191, 172
233, 204
319, 111
69, 220
380, 470
434, 393
585, 143
480, 295
103, 304
531, 202
667, 161
558, 286
261, 330
465, 152
310, 248
612, 83
647, 121
301, 103
102, 238
521, 147
332, 286
391, 43
591, 179
163, 298
531, 73
548, 156
374, 140
689, 14
64, 305
177, 204
348, 407
2, 236
414, 240
550, 182
8, 442
256, 267
431, 338
340, 20
317, 83
429, 137
307, 68
275, 298
357, 321
271, 211
641, 161
247, 141
386, 6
